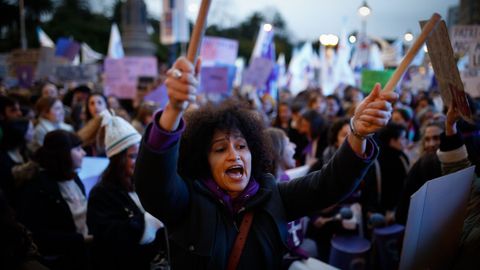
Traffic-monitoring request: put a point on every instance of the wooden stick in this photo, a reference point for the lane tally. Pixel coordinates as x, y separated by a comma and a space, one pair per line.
417, 45
198, 31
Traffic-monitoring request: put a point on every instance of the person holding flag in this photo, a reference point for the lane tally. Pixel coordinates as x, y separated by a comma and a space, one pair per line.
206, 179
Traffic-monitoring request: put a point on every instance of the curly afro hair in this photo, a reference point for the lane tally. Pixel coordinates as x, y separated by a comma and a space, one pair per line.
201, 125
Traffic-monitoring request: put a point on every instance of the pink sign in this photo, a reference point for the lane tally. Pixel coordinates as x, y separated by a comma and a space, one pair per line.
214, 80
220, 51
258, 72
121, 75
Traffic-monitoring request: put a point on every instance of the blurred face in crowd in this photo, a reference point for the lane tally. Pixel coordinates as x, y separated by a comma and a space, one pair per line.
431, 139
356, 96
332, 107
13, 112
96, 105
56, 113
287, 157
230, 161
304, 127
284, 113
319, 105
132, 153
399, 143
77, 155
50, 90
397, 118
113, 102
342, 134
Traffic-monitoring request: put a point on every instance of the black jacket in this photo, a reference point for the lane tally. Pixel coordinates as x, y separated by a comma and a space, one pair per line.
202, 232
47, 215
117, 225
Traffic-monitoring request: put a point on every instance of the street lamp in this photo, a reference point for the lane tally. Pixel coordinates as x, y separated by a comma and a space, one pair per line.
364, 11
408, 36
328, 40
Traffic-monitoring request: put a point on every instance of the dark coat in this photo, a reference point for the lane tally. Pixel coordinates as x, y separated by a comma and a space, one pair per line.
117, 225
202, 231
47, 215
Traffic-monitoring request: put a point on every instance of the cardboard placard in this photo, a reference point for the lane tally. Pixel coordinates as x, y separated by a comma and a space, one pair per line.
258, 72
371, 77
22, 58
214, 80
446, 71
121, 75
218, 51
80, 73
435, 220
463, 36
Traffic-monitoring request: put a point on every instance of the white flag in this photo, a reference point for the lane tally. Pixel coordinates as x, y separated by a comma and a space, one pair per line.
44, 39
174, 23
342, 70
115, 47
300, 69
90, 56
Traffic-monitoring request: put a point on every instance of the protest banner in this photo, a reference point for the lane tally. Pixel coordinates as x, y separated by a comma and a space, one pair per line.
174, 22
91, 170
435, 219
22, 58
158, 95
258, 72
121, 75
462, 37
446, 71
48, 62
79, 74
471, 81
218, 51
371, 77
214, 80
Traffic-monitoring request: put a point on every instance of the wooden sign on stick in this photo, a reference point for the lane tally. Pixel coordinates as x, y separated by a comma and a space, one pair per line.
446, 71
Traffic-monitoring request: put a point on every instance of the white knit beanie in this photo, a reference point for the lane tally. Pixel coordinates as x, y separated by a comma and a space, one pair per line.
119, 134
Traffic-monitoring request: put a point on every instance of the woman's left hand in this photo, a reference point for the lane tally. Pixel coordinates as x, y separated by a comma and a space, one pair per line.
374, 111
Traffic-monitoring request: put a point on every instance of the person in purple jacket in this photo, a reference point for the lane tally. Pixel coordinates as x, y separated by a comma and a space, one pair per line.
204, 175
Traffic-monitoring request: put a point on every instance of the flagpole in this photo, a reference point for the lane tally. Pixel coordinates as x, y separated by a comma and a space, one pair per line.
23, 37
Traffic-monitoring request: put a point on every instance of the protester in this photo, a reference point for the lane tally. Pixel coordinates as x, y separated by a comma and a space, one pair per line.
144, 116
53, 204
17, 133
125, 235
9, 108
49, 90
17, 250
314, 127
386, 179
284, 117
91, 133
220, 178
51, 117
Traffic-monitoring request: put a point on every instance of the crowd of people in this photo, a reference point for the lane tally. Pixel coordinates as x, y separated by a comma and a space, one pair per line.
201, 170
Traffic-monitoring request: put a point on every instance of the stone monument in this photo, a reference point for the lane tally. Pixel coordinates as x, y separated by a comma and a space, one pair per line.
136, 41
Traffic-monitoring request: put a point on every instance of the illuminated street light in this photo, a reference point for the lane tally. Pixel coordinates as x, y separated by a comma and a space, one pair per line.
352, 39
364, 10
267, 27
408, 36
328, 40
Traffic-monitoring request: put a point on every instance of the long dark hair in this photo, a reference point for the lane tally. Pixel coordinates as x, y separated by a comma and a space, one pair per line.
55, 154
115, 176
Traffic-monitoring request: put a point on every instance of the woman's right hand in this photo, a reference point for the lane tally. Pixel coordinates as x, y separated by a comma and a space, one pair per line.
182, 86
182, 83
